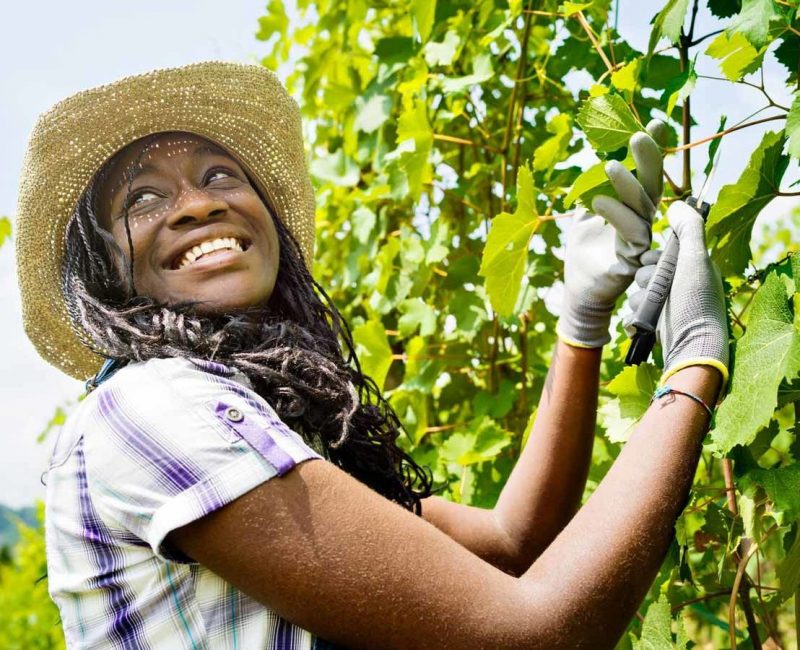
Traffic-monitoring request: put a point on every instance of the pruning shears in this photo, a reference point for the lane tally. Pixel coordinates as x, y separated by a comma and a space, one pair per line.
645, 320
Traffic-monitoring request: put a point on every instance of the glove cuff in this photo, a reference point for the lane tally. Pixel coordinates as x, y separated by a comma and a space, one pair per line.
585, 326
698, 361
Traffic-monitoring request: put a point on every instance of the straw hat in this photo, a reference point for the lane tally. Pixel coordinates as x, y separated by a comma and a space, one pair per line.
243, 108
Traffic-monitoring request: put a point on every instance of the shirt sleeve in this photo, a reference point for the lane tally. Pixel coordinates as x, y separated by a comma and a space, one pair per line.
170, 444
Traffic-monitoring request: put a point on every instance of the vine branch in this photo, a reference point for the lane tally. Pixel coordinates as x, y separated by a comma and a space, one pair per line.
697, 143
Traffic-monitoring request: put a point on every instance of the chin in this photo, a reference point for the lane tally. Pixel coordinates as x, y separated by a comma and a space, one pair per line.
217, 306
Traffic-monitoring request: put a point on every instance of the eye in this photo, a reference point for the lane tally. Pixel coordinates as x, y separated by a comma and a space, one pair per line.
218, 174
142, 197
139, 198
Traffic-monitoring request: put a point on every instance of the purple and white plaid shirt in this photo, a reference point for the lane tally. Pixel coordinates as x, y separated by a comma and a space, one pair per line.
156, 446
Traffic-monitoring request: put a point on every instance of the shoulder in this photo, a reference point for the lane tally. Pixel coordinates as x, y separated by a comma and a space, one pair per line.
168, 386
177, 406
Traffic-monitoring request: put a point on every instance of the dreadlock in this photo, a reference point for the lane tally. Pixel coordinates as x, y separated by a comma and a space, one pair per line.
289, 350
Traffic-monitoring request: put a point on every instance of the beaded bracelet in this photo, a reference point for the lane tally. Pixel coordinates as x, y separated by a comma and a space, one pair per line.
666, 390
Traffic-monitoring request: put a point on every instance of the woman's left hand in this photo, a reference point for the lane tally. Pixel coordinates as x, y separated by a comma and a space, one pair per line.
604, 249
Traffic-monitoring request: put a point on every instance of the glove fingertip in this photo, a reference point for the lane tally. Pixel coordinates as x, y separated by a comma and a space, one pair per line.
658, 131
650, 257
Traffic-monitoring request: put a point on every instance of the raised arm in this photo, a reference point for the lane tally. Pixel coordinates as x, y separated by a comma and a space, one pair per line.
603, 252
332, 556
545, 487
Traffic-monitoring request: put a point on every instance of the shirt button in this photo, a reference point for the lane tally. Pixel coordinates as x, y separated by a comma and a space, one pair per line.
234, 415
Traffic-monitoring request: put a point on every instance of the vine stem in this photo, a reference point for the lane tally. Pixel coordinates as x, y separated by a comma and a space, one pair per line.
740, 583
697, 143
450, 138
595, 43
737, 584
743, 582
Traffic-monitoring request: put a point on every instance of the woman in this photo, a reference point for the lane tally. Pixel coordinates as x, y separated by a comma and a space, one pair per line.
181, 511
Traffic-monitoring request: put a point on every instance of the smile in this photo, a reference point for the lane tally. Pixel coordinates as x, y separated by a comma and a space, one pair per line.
207, 248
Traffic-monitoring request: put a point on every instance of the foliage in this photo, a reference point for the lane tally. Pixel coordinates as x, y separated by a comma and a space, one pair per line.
9, 524
28, 618
443, 143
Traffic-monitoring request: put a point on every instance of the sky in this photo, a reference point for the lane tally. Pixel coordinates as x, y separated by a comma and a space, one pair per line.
52, 49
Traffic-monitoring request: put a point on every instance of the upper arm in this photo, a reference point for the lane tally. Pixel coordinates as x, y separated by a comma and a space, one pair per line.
334, 557
166, 450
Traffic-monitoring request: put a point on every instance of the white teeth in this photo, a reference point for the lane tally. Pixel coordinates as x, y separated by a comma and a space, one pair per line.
197, 251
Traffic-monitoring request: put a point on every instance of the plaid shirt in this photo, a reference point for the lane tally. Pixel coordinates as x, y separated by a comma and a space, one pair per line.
156, 446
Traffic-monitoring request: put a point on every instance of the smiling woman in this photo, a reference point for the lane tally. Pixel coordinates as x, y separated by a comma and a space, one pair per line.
165, 241
186, 212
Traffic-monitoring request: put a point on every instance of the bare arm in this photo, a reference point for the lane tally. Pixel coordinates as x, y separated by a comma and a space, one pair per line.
332, 556
545, 487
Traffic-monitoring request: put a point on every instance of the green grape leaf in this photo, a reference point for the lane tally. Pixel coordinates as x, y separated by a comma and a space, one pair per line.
793, 128
412, 156
724, 8
372, 348
497, 404
632, 390
753, 21
712, 148
782, 486
395, 49
736, 54
554, 149
679, 88
592, 182
469, 311
442, 53
483, 440
336, 168
481, 71
569, 8
730, 223
5, 229
789, 570
416, 314
657, 627
372, 113
363, 223
627, 76
422, 14
506, 252
788, 53
607, 122
768, 353
661, 70
274, 21
668, 23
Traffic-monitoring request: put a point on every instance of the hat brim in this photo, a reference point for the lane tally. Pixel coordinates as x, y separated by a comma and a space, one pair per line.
243, 108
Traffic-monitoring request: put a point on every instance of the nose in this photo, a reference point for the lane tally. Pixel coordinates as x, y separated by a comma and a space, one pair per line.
195, 204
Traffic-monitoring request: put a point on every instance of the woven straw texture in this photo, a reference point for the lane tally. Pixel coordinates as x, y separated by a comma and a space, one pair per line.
243, 108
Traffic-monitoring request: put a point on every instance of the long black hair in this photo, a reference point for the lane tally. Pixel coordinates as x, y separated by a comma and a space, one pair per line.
291, 350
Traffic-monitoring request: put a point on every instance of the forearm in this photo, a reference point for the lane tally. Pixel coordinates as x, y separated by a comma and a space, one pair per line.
545, 487
608, 555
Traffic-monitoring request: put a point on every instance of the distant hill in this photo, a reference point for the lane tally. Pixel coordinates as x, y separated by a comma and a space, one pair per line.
9, 519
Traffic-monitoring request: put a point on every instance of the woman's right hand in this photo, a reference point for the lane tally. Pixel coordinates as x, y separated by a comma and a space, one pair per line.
693, 327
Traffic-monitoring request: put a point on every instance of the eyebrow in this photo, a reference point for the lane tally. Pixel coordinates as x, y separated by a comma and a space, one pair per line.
147, 167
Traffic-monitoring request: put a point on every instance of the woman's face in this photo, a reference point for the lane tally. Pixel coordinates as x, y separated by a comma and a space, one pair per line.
199, 230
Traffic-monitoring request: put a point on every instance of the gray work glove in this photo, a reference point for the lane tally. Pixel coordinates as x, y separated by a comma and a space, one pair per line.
693, 327
603, 250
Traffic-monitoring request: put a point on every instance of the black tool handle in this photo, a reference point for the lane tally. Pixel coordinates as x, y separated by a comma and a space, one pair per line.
646, 318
